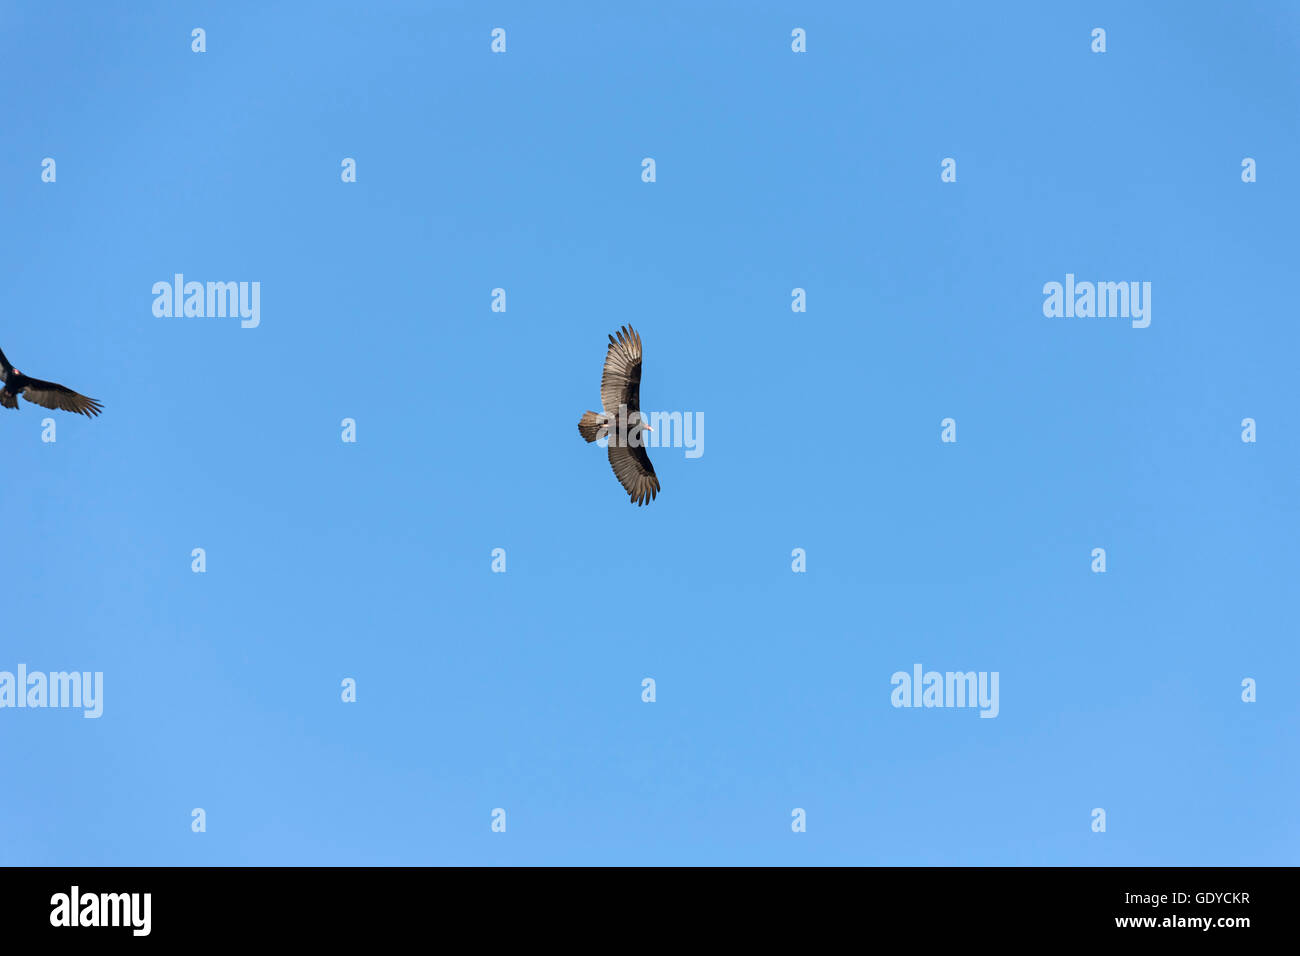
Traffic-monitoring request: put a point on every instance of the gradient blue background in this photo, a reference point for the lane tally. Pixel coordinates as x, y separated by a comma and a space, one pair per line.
522, 690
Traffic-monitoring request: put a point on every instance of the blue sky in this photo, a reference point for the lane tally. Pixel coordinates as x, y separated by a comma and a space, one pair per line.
775, 170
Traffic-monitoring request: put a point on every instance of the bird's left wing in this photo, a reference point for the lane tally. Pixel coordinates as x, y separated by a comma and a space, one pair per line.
52, 395
5, 368
633, 469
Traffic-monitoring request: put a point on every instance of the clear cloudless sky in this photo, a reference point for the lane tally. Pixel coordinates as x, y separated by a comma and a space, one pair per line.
775, 170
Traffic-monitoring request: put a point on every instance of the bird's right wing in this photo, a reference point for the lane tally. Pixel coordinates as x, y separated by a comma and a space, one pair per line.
620, 383
5, 368
51, 395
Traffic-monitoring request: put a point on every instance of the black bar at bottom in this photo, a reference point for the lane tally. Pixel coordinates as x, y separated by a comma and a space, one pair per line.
90, 905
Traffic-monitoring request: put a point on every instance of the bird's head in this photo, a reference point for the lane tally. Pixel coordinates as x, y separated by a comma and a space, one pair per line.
636, 430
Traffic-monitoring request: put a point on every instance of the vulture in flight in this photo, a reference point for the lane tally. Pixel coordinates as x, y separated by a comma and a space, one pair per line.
40, 392
620, 394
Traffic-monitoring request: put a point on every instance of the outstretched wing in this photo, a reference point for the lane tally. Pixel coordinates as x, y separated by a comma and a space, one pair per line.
633, 469
620, 383
5, 368
52, 395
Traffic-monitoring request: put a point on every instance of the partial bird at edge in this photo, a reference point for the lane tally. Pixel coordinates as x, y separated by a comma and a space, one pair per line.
43, 393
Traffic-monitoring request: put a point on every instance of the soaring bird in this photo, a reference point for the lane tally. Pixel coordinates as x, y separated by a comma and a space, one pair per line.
620, 394
44, 393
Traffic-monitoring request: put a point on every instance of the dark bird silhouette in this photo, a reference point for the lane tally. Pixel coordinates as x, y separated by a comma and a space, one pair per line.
620, 394
40, 392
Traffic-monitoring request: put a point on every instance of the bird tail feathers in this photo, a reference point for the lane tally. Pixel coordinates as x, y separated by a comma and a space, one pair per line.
590, 426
